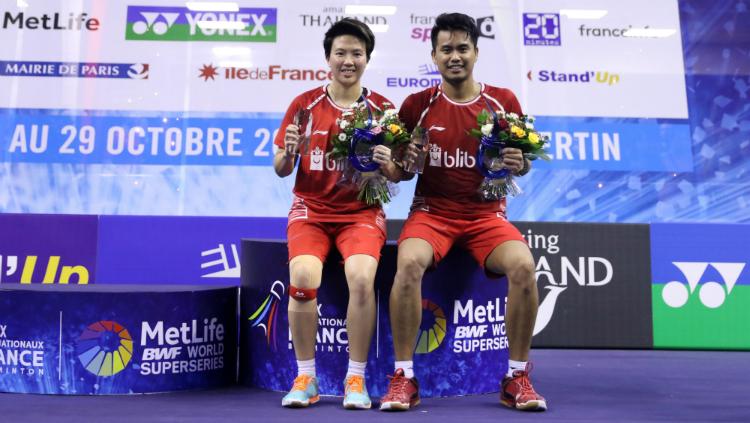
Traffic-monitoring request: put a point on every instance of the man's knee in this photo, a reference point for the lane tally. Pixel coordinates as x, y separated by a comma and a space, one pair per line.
360, 288
522, 273
410, 271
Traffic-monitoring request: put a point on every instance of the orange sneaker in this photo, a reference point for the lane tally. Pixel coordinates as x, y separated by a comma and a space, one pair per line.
403, 393
303, 393
355, 394
517, 392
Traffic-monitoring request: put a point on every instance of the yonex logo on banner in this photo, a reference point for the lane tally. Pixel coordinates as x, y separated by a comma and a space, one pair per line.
74, 69
157, 23
104, 348
541, 29
711, 294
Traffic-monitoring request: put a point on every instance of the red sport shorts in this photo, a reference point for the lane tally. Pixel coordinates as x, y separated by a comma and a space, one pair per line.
479, 234
307, 237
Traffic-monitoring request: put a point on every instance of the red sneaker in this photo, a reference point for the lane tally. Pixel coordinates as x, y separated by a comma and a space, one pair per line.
402, 394
517, 392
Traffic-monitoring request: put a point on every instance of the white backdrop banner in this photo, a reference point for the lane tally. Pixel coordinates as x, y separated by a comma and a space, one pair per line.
161, 98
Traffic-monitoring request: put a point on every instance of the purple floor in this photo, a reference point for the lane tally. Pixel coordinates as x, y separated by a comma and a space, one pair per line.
580, 385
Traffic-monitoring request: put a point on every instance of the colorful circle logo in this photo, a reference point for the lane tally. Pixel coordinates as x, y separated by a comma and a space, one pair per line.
433, 318
104, 348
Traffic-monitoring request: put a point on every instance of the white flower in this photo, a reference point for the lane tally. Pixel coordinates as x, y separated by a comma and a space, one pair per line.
512, 115
342, 137
487, 129
390, 112
529, 125
347, 113
354, 105
344, 124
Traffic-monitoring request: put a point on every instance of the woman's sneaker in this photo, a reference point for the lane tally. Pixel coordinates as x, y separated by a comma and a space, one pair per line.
355, 394
303, 393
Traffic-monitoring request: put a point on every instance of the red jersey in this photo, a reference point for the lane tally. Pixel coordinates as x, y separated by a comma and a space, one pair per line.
450, 181
316, 193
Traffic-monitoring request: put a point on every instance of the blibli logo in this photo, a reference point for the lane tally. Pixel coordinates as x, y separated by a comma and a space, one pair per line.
456, 159
9, 266
712, 294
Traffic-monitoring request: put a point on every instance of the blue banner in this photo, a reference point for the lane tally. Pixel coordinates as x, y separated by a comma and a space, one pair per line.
184, 250
47, 137
617, 144
48, 249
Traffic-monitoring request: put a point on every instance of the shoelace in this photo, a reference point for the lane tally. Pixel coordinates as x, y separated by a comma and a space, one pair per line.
397, 386
355, 384
523, 380
300, 382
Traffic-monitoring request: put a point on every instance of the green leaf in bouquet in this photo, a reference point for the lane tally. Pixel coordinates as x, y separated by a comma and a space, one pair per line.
483, 117
543, 155
387, 138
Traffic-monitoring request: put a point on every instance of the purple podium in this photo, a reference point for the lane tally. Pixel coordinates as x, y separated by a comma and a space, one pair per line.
116, 339
462, 347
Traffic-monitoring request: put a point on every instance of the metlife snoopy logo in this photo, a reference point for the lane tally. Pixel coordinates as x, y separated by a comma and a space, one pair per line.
700, 286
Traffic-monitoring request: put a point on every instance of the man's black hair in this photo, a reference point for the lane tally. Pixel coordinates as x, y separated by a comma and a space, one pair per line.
455, 22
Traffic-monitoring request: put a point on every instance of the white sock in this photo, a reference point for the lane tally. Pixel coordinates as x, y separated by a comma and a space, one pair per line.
356, 368
306, 367
407, 367
514, 365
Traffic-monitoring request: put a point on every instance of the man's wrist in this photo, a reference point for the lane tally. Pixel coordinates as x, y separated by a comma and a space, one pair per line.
526, 167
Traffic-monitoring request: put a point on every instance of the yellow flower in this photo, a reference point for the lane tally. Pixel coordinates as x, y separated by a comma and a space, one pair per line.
534, 138
518, 132
395, 129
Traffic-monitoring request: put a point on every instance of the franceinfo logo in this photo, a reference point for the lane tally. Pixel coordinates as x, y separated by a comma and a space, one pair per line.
72, 21
154, 23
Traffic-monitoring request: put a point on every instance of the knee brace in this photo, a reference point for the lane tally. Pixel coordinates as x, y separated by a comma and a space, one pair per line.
302, 294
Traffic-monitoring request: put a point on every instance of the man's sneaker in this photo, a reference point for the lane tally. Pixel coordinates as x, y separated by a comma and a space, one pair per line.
517, 392
304, 392
402, 394
355, 394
